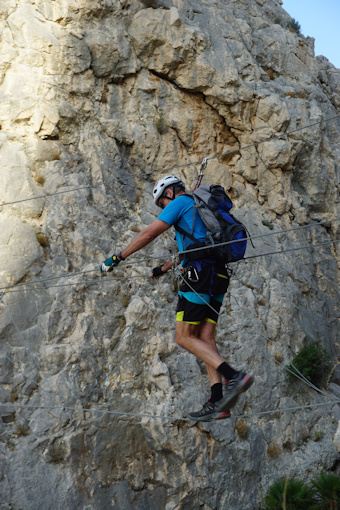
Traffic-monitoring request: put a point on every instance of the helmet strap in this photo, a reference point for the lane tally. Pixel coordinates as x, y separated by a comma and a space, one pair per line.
165, 196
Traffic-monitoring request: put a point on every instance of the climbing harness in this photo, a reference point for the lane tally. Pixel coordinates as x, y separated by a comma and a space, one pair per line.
192, 275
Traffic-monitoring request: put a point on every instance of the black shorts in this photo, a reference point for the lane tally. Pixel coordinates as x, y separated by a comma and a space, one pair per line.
194, 313
201, 294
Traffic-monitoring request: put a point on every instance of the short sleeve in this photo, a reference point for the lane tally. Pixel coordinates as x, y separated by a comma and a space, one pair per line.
173, 211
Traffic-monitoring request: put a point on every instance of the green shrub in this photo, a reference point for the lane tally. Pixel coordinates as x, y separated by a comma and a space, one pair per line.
56, 454
273, 450
327, 487
22, 430
313, 361
294, 25
160, 124
291, 494
267, 223
318, 434
294, 494
42, 239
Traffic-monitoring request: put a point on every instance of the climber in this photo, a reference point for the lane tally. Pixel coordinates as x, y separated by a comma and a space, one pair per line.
200, 295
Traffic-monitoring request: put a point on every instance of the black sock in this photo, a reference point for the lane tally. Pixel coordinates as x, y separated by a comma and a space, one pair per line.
216, 393
227, 371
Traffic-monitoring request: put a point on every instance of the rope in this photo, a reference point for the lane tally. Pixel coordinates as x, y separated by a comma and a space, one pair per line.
86, 282
163, 255
244, 147
297, 373
164, 417
102, 280
262, 413
142, 415
67, 275
203, 164
292, 249
179, 166
253, 237
48, 195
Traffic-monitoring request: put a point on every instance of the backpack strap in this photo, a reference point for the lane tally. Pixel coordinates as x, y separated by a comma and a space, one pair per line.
197, 254
186, 234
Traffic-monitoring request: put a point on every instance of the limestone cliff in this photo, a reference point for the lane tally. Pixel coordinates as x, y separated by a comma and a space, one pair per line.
102, 93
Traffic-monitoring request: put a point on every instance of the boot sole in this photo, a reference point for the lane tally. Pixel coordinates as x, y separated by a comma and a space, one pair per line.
215, 416
202, 418
223, 416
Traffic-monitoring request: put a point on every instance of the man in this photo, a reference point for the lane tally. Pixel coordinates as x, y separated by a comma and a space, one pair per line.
200, 296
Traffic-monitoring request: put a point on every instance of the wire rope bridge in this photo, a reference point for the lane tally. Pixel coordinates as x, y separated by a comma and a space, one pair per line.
45, 284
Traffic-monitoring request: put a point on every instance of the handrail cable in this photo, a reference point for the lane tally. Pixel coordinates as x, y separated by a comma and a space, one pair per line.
297, 372
242, 148
107, 280
164, 417
159, 256
255, 256
287, 133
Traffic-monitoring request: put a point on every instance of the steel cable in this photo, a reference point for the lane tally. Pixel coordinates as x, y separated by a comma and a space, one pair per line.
164, 255
288, 133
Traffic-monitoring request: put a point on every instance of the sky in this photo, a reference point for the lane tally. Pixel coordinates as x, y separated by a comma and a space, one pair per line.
319, 19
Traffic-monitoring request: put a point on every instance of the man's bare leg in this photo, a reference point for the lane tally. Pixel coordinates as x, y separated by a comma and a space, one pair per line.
200, 341
207, 334
187, 336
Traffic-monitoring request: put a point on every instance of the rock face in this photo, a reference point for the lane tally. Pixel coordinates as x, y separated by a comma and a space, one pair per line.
102, 93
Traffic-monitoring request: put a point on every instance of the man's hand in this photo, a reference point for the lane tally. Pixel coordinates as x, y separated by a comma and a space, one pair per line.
160, 270
157, 272
109, 264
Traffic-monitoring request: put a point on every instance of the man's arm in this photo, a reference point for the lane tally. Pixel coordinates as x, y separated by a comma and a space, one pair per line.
168, 265
145, 237
142, 239
161, 270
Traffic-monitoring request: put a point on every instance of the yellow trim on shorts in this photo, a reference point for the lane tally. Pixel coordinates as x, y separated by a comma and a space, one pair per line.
210, 320
179, 318
180, 315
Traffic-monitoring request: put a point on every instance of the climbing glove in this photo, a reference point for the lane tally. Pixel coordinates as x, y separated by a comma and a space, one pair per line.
157, 272
110, 263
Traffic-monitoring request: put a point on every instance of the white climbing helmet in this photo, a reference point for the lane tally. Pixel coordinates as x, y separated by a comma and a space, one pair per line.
164, 183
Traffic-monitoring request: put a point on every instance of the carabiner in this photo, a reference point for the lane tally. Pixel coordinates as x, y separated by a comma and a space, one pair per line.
193, 275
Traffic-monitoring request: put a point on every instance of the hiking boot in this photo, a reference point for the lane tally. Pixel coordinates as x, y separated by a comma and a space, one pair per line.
241, 382
209, 411
222, 416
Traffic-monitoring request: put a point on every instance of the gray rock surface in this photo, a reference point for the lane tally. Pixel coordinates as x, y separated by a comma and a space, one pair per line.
102, 93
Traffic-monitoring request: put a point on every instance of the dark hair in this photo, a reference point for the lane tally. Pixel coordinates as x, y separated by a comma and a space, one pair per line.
178, 188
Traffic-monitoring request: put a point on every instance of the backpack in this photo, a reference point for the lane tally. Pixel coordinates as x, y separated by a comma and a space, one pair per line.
213, 205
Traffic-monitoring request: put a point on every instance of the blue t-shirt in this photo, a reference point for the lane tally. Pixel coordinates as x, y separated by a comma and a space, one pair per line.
180, 211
